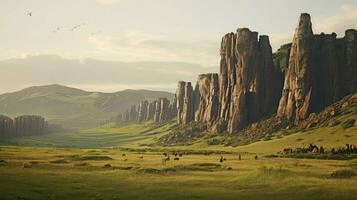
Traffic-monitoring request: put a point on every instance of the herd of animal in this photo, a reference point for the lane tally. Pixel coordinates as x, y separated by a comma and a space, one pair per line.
312, 148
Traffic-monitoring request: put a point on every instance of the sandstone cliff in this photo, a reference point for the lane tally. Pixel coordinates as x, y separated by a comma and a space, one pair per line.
247, 88
301, 78
322, 69
185, 103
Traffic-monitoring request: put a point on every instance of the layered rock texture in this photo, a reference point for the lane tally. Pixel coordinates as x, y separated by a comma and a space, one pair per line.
185, 103
207, 98
22, 125
322, 69
251, 85
247, 88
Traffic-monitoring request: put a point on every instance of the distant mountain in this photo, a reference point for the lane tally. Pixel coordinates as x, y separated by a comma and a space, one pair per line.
71, 107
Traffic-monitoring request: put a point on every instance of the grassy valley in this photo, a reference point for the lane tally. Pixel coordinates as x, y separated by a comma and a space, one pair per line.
72, 108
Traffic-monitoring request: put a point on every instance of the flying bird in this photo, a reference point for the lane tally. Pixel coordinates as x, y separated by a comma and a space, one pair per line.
75, 27
56, 30
29, 14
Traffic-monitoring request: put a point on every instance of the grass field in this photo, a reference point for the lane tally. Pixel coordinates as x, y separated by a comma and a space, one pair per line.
64, 173
72, 166
145, 135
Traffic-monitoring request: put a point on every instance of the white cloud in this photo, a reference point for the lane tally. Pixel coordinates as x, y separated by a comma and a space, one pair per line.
278, 39
345, 19
139, 46
107, 2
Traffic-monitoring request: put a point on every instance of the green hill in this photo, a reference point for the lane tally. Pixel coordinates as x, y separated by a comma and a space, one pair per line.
71, 107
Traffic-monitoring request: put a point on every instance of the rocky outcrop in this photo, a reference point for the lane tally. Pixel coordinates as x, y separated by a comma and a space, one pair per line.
159, 111
185, 103
301, 78
322, 69
207, 91
29, 124
297, 91
253, 84
165, 111
133, 114
143, 111
247, 88
22, 125
6, 125
151, 111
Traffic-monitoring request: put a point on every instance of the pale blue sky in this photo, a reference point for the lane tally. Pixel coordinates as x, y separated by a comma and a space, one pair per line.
186, 31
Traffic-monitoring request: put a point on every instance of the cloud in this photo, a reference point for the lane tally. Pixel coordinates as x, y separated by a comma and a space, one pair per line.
107, 2
345, 19
139, 46
278, 39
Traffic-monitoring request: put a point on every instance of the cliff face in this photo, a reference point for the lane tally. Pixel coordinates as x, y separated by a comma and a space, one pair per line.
185, 103
296, 95
246, 89
207, 98
161, 110
151, 111
300, 78
321, 70
143, 111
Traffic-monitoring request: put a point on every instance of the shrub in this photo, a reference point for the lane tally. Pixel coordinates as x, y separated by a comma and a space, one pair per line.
81, 164
214, 141
60, 161
343, 173
348, 123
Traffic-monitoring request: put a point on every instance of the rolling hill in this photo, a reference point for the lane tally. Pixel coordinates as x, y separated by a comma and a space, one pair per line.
71, 107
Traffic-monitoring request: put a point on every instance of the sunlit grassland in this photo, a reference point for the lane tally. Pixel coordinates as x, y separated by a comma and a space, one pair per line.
61, 173
145, 135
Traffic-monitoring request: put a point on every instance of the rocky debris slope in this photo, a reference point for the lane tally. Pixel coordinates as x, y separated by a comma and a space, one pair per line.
301, 78
22, 125
271, 125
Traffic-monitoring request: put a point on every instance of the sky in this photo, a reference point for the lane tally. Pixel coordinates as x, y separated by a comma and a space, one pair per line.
111, 45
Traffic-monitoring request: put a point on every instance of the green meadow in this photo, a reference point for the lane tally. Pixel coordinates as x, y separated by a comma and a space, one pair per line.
72, 173
89, 164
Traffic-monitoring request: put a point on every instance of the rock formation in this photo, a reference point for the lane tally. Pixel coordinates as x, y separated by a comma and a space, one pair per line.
22, 125
133, 113
142, 112
301, 78
322, 69
161, 110
164, 110
29, 124
6, 125
247, 88
151, 111
185, 102
207, 92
